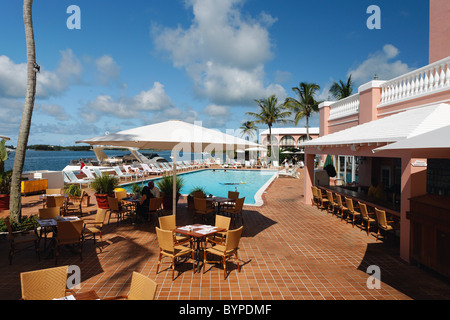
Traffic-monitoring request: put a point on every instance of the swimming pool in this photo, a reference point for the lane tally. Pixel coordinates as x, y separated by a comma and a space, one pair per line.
249, 183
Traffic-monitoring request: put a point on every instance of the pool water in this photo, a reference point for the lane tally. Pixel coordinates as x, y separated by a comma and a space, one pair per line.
218, 182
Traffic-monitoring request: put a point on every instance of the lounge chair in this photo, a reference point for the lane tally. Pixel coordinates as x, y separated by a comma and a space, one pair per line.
97, 172
147, 169
122, 175
70, 178
88, 173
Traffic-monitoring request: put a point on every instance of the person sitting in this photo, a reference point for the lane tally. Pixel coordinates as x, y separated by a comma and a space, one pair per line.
142, 207
153, 189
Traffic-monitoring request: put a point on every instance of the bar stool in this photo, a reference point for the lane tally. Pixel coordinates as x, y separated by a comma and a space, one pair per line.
351, 210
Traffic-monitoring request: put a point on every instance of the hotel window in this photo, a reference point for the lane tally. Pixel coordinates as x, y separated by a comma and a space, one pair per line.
287, 141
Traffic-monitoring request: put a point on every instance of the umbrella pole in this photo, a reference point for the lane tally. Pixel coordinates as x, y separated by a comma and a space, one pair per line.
174, 183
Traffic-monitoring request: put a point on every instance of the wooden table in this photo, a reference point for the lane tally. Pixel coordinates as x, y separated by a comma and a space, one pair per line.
134, 202
199, 232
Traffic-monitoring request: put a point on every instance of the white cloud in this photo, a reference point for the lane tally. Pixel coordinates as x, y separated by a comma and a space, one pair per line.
13, 77
223, 52
53, 110
155, 99
107, 69
381, 64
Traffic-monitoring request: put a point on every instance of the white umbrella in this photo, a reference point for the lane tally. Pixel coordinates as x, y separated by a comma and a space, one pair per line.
256, 149
287, 152
173, 135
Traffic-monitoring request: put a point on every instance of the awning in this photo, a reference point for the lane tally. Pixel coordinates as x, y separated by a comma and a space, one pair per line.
394, 128
435, 139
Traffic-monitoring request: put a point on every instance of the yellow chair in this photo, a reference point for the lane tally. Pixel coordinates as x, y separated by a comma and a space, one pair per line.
323, 203
15, 241
221, 222
56, 201
365, 217
226, 250
69, 232
45, 284
142, 288
332, 204
168, 223
341, 208
383, 223
351, 210
93, 226
115, 208
169, 249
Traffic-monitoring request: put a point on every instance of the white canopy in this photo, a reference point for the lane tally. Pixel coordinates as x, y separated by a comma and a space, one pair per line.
436, 139
389, 129
173, 135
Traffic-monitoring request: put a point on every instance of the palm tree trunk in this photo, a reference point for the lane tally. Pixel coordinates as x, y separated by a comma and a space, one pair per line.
307, 128
19, 159
269, 142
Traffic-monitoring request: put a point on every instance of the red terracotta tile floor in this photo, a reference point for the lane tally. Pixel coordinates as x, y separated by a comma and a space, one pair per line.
288, 251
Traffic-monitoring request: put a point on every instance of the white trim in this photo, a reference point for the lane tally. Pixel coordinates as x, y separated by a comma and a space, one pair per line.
344, 122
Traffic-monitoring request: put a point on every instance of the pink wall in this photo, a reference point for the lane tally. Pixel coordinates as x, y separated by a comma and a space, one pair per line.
367, 100
439, 47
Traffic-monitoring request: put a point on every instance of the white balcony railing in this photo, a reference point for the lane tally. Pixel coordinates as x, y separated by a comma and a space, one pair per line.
424, 81
345, 107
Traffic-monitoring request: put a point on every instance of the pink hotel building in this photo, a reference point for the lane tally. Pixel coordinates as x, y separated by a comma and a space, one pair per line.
417, 179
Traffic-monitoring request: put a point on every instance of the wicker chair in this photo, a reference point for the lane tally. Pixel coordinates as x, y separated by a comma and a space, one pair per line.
365, 217
232, 195
69, 232
332, 204
341, 208
221, 222
201, 208
315, 199
226, 250
168, 223
141, 288
74, 204
48, 213
236, 210
323, 203
56, 201
169, 249
115, 208
351, 210
93, 226
45, 284
155, 205
383, 223
15, 241
50, 192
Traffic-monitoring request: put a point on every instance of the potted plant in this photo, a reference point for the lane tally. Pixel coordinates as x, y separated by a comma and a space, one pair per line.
5, 178
104, 187
190, 197
165, 186
136, 189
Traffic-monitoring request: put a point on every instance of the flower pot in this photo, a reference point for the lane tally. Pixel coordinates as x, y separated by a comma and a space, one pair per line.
168, 201
102, 200
4, 201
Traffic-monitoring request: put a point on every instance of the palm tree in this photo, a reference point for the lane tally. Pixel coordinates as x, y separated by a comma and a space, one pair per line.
270, 113
32, 69
306, 104
342, 90
248, 128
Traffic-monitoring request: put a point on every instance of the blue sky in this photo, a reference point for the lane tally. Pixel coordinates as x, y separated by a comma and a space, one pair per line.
145, 61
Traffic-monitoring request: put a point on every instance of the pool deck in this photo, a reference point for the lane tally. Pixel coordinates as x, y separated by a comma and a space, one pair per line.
288, 251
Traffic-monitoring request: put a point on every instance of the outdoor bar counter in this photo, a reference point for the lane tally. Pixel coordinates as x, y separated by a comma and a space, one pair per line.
362, 197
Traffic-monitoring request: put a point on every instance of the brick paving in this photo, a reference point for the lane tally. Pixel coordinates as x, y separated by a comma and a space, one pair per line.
288, 251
